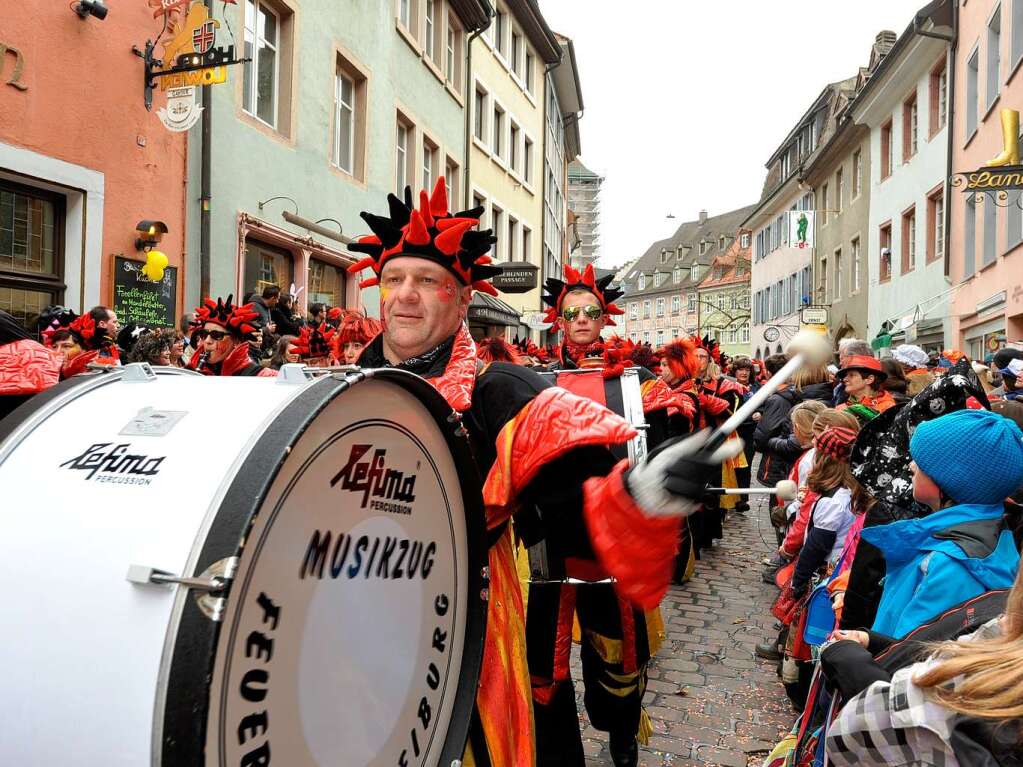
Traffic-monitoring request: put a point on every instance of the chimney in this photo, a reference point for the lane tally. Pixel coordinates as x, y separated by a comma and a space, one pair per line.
885, 41
703, 217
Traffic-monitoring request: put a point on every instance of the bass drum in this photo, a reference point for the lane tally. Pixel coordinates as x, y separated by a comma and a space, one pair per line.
216, 570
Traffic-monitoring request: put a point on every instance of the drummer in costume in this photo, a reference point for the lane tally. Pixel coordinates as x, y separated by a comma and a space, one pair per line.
681, 366
618, 639
225, 330
713, 384
537, 446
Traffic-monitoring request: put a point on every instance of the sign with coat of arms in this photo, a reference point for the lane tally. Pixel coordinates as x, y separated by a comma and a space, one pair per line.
191, 58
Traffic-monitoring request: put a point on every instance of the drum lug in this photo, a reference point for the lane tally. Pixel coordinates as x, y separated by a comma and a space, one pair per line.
208, 587
137, 372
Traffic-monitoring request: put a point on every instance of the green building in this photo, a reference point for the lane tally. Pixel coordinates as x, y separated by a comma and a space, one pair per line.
343, 102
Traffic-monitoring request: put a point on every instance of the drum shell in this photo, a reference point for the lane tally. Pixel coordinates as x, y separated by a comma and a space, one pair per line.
82, 649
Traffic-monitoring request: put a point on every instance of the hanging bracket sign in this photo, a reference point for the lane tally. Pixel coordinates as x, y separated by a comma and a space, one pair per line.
196, 60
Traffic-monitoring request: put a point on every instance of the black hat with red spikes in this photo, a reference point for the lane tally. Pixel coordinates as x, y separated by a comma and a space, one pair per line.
429, 232
556, 290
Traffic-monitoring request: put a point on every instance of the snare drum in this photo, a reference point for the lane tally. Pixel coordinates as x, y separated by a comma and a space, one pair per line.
213, 570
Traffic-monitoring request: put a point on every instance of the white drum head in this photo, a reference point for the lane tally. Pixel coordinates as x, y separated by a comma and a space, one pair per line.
343, 637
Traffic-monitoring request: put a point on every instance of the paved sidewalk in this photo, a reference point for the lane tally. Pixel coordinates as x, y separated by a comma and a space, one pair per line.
712, 702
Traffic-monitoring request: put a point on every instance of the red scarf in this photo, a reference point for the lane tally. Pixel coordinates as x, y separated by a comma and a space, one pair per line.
576, 352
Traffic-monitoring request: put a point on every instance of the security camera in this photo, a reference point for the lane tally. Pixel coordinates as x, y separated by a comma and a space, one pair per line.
90, 8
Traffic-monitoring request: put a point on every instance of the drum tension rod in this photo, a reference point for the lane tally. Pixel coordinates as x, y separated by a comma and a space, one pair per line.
144, 576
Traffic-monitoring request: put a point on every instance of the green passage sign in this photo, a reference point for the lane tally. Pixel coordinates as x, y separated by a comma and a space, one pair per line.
137, 299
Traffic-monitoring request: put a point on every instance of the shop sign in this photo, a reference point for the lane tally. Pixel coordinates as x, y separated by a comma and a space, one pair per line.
14, 79
802, 228
191, 58
1002, 172
516, 277
813, 315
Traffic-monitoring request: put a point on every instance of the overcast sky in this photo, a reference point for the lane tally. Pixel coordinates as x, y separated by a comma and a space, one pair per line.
686, 100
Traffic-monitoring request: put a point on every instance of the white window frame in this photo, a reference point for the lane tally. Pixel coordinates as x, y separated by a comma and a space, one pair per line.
340, 107
253, 94
429, 28
401, 159
676, 304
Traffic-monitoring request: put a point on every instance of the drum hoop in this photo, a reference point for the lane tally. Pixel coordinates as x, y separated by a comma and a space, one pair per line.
24, 419
179, 735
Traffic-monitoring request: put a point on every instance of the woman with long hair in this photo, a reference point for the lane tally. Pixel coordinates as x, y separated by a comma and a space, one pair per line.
284, 353
963, 705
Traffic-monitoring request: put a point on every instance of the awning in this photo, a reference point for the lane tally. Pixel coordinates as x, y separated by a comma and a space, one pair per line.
484, 309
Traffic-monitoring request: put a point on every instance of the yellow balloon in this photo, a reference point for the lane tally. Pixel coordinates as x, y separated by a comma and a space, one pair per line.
159, 259
157, 275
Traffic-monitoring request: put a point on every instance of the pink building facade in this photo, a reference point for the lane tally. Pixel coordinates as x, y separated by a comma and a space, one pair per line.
986, 233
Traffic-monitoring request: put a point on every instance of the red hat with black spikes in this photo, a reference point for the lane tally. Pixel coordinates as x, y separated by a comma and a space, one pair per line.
355, 327
680, 357
709, 345
429, 232
555, 291
312, 343
241, 321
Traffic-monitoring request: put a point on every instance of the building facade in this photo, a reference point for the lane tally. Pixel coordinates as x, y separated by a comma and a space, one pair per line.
333, 112
905, 106
71, 195
507, 162
839, 173
584, 200
985, 260
724, 297
781, 272
662, 299
564, 105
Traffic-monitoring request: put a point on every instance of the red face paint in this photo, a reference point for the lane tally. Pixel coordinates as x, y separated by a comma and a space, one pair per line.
446, 293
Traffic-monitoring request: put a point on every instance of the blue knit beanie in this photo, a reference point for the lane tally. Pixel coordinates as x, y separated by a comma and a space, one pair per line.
974, 456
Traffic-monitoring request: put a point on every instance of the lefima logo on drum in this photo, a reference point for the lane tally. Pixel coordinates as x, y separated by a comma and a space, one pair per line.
115, 465
372, 478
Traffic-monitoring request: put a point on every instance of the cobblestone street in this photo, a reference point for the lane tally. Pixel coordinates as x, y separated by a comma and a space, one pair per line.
711, 701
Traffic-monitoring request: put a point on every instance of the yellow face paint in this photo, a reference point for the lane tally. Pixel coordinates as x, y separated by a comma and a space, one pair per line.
384, 294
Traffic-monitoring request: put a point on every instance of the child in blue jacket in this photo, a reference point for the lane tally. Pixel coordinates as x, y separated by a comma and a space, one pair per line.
964, 466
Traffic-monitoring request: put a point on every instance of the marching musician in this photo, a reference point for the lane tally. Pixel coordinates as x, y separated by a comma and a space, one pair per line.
618, 639
225, 331
537, 446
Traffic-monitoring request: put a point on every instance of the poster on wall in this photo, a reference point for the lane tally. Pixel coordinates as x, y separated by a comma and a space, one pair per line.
802, 228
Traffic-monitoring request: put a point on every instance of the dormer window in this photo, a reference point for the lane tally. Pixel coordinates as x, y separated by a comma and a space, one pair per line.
703, 247
642, 281
721, 242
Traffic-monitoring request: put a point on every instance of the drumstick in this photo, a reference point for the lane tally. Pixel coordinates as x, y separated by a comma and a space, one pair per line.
807, 347
786, 490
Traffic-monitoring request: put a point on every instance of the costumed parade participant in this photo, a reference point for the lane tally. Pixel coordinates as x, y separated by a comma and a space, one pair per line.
95, 342
225, 331
697, 409
313, 345
538, 447
26, 366
353, 333
708, 352
862, 376
617, 639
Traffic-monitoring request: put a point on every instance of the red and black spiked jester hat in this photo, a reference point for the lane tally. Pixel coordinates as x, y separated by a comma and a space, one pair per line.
356, 327
710, 345
555, 291
429, 232
241, 321
314, 343
680, 357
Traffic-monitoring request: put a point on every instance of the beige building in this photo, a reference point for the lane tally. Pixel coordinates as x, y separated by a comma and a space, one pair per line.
505, 173
840, 176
